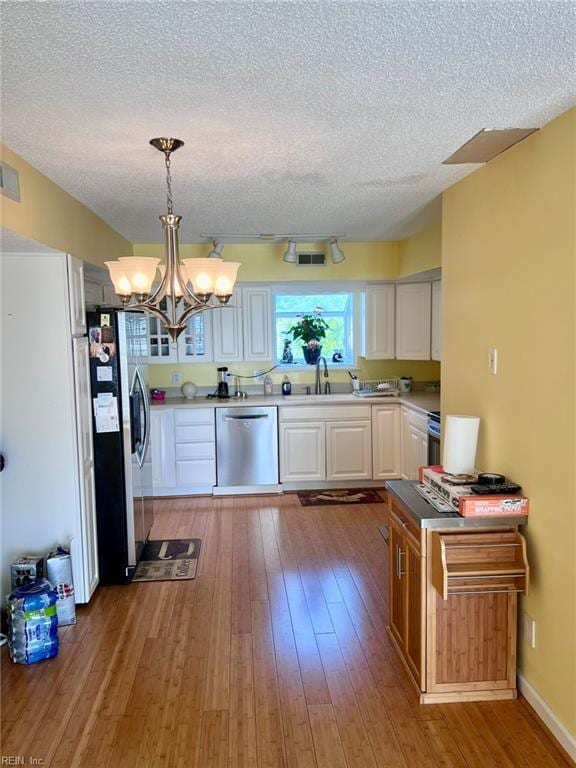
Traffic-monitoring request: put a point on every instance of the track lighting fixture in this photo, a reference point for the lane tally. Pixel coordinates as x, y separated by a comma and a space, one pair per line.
335, 253
217, 248
290, 256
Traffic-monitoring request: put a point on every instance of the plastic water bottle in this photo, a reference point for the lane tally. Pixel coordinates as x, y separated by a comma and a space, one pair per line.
33, 633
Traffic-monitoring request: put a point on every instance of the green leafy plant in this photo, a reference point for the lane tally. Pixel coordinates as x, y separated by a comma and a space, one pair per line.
309, 328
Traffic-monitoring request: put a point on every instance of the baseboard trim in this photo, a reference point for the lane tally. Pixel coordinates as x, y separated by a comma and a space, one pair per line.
554, 725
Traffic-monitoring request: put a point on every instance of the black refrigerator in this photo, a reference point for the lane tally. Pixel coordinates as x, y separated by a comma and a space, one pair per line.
118, 349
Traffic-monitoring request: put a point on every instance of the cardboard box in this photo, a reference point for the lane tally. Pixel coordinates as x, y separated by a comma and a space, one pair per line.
26, 569
469, 504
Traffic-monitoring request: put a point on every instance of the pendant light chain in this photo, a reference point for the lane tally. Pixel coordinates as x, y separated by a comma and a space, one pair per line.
169, 201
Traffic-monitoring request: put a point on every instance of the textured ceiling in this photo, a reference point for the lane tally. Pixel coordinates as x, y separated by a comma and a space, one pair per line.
297, 116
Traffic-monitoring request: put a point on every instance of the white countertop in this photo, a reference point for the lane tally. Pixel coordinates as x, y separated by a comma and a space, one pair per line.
418, 401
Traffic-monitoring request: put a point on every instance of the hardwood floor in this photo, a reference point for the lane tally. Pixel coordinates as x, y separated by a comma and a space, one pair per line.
275, 655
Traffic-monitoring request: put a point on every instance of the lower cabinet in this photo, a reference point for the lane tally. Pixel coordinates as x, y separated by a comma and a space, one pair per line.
320, 443
414, 443
183, 451
386, 442
406, 590
349, 450
302, 451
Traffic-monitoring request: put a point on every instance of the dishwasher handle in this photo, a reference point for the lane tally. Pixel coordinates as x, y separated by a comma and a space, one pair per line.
249, 416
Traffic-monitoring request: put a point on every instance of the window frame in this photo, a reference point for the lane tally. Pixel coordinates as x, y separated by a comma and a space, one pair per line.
313, 289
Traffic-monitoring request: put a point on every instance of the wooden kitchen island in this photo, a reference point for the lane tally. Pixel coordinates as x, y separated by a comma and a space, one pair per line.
453, 591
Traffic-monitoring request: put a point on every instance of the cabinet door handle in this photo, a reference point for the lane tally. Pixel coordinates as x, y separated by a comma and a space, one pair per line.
399, 554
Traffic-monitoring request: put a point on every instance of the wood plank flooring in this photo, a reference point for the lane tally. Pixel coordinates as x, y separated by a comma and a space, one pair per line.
275, 656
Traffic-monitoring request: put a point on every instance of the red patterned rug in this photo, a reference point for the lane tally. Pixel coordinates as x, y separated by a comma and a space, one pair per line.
340, 496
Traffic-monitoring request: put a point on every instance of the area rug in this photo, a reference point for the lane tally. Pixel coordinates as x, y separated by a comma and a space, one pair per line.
340, 496
168, 560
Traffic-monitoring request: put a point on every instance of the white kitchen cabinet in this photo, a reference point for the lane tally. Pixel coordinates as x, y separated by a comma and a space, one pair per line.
436, 320
194, 345
46, 439
379, 322
163, 451
349, 450
413, 321
228, 333
183, 451
386, 461
414, 443
257, 324
302, 451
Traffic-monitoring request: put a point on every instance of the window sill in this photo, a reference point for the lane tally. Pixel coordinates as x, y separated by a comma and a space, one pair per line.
305, 368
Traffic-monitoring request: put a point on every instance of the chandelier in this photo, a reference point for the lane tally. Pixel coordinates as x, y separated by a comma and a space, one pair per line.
133, 276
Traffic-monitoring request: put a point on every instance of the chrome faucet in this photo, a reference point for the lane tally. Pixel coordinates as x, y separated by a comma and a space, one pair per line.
318, 389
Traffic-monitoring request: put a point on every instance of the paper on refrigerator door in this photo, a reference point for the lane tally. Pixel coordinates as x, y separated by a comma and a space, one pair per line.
106, 413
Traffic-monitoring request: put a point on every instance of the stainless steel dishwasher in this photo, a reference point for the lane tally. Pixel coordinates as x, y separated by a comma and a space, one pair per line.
246, 446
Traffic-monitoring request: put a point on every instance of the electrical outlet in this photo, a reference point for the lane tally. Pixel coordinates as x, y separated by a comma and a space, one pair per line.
492, 361
530, 630
257, 375
175, 378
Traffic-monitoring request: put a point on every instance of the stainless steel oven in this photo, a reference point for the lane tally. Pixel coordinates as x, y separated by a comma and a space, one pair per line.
434, 457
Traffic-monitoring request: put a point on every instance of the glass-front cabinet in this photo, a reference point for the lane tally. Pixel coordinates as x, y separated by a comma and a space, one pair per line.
194, 344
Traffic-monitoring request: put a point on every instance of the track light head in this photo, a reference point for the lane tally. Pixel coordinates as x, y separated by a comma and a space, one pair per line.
216, 252
335, 253
290, 256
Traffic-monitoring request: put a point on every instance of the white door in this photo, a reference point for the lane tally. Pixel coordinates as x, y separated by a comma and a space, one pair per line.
436, 323
413, 321
85, 470
349, 450
379, 322
302, 451
76, 295
385, 441
162, 443
257, 322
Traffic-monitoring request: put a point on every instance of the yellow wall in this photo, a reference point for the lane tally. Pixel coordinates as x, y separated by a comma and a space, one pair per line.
422, 251
508, 271
204, 374
51, 216
263, 261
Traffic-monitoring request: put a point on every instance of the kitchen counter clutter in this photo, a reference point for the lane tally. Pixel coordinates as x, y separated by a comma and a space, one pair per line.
453, 590
418, 401
324, 441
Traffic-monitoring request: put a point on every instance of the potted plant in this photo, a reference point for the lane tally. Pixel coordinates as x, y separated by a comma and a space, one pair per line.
310, 329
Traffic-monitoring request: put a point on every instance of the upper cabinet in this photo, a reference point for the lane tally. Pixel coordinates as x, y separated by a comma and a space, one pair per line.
243, 332
436, 328
379, 322
413, 321
194, 345
257, 322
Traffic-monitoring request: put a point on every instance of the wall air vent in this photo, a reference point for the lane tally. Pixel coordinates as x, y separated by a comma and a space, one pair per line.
9, 183
487, 144
311, 259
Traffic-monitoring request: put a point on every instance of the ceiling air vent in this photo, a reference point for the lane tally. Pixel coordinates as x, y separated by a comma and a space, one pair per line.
311, 259
9, 184
487, 144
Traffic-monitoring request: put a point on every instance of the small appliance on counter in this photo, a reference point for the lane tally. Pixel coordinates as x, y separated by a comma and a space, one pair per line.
222, 392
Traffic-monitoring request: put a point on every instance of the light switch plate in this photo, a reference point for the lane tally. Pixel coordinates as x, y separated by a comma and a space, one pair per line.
175, 377
492, 361
530, 630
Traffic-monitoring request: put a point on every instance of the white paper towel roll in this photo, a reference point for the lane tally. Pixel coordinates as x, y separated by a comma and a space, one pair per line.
460, 440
